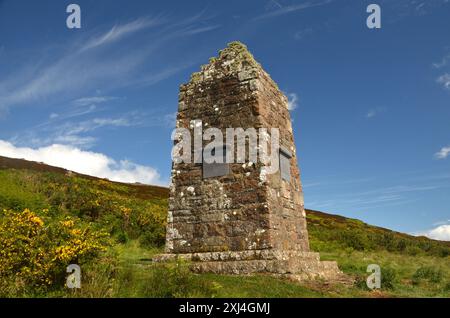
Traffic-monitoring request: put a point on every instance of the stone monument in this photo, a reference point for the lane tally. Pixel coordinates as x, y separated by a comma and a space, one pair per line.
234, 218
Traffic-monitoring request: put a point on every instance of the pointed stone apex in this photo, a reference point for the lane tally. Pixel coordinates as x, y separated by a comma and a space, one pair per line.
231, 60
237, 50
237, 47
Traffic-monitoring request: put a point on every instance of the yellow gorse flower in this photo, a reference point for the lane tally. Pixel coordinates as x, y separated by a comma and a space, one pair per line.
33, 253
68, 223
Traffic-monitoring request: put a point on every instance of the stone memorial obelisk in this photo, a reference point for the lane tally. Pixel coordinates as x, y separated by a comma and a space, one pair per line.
234, 218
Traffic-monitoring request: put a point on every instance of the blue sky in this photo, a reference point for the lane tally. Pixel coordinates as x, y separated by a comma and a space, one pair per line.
372, 116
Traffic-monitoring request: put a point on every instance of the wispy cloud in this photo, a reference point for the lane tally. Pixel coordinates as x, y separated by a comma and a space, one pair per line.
442, 63
79, 107
344, 197
155, 77
120, 31
331, 181
94, 124
301, 34
75, 130
374, 112
371, 114
312, 184
70, 73
85, 101
67, 139
83, 66
293, 101
75, 133
282, 10
396, 190
273, 3
400, 9
170, 119
442, 222
197, 30
72, 113
444, 80
443, 153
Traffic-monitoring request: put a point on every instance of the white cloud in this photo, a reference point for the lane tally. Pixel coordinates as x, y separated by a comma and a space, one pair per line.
292, 8
194, 31
443, 62
443, 153
374, 112
74, 140
441, 233
68, 75
154, 78
71, 133
442, 222
85, 162
73, 112
303, 33
82, 133
80, 66
171, 119
86, 101
371, 114
292, 101
444, 80
273, 4
119, 31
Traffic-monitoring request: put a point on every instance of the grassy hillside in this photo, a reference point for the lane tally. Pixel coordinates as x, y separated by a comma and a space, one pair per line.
51, 217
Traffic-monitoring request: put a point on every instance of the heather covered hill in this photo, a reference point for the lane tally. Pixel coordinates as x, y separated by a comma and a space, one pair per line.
52, 217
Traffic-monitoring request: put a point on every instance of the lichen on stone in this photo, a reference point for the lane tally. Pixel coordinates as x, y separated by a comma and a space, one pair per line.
233, 58
238, 51
196, 77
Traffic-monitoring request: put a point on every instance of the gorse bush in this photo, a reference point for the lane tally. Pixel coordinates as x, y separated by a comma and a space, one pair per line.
329, 232
74, 215
427, 273
34, 253
126, 212
447, 287
388, 278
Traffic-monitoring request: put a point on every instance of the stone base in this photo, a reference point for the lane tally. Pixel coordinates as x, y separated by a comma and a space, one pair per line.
294, 264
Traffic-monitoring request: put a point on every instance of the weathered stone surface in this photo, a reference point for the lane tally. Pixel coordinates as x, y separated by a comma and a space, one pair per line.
299, 265
246, 221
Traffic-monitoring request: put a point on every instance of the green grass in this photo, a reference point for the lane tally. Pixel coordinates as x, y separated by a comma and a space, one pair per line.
404, 266
136, 278
135, 217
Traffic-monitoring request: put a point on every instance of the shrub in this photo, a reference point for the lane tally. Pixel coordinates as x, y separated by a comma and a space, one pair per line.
122, 238
361, 282
354, 239
428, 273
447, 287
388, 278
413, 250
443, 252
35, 254
99, 278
